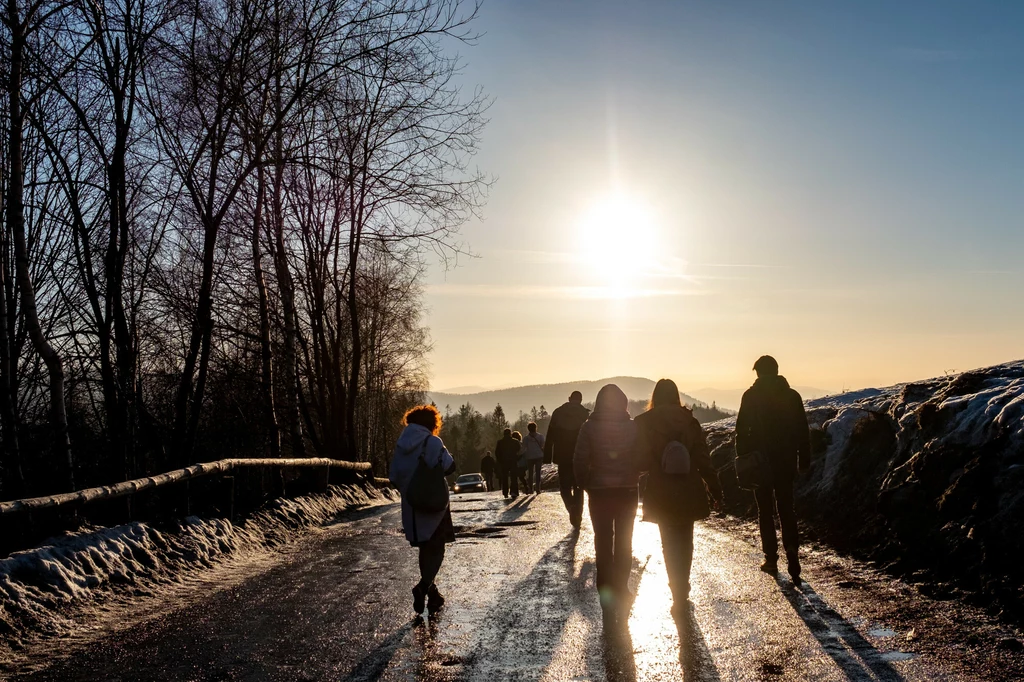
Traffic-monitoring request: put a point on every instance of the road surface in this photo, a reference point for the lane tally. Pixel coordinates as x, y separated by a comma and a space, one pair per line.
336, 605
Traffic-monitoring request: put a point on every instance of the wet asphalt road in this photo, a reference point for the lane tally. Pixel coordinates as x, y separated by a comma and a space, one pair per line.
522, 606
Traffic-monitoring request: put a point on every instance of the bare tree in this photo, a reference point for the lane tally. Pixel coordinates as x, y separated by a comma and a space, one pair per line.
21, 23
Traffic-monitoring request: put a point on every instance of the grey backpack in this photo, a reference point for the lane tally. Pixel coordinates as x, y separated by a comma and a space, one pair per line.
675, 459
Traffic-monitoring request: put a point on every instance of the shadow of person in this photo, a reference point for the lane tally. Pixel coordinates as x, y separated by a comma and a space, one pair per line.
373, 664
694, 657
617, 655
854, 655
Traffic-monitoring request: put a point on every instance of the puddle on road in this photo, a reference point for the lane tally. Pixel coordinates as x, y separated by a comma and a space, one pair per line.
881, 632
891, 656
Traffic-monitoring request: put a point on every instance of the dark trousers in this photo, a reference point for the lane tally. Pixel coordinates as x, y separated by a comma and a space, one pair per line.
677, 545
778, 497
613, 512
572, 494
524, 482
431, 557
489, 480
533, 473
507, 475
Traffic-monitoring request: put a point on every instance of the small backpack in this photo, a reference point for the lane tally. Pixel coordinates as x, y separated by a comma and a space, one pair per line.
428, 490
675, 459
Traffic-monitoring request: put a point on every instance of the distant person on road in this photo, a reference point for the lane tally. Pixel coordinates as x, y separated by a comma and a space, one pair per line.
429, 531
487, 470
772, 421
606, 466
533, 454
559, 446
507, 452
521, 464
675, 500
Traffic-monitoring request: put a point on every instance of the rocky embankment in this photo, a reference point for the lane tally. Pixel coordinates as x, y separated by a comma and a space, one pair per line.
925, 478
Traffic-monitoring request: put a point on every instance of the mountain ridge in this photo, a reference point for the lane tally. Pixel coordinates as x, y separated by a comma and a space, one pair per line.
518, 399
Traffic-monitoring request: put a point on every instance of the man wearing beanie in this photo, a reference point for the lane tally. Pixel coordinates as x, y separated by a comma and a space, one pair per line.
772, 421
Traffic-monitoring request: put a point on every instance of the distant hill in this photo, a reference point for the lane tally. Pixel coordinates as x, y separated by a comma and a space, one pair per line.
522, 398
730, 398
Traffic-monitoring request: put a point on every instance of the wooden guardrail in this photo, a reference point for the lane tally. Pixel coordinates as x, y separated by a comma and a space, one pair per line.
222, 466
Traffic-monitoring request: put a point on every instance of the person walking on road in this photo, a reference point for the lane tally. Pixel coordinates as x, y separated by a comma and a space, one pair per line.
429, 531
772, 421
487, 470
674, 500
606, 466
559, 446
533, 453
521, 464
507, 452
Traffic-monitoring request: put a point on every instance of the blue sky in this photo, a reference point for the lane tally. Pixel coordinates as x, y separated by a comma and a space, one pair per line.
838, 184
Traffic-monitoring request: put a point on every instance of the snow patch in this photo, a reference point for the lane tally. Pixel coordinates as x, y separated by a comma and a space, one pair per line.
46, 590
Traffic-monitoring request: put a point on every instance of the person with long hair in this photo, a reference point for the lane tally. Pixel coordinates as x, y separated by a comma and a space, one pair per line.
675, 500
429, 531
607, 467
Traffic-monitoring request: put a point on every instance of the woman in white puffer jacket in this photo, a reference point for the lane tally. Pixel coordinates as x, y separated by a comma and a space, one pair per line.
429, 531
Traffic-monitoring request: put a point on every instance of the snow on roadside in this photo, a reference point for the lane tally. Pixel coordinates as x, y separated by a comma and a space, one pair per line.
46, 590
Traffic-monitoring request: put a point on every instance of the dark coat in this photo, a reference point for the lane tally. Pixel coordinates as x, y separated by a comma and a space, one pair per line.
563, 430
487, 465
772, 421
674, 498
507, 452
606, 453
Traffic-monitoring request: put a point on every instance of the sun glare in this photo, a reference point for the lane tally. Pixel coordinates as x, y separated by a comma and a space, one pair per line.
619, 243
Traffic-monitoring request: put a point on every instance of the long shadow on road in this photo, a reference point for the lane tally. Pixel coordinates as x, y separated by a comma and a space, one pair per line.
694, 656
532, 618
857, 658
373, 665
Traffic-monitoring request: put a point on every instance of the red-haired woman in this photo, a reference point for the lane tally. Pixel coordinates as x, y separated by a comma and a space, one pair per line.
429, 531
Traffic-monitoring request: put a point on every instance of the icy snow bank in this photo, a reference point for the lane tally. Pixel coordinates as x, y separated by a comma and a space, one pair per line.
43, 589
927, 477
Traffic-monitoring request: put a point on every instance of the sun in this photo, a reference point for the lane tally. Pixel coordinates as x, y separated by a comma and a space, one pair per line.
618, 242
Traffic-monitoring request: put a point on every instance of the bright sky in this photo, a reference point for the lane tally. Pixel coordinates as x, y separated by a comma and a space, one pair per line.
684, 186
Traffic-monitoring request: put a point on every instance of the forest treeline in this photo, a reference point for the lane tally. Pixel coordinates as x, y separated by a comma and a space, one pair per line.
214, 214
468, 434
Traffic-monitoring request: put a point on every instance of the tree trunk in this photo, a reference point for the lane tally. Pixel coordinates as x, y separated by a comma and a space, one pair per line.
13, 475
266, 354
16, 223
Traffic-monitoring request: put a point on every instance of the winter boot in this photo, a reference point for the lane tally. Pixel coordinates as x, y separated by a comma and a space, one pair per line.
793, 568
419, 595
770, 565
434, 600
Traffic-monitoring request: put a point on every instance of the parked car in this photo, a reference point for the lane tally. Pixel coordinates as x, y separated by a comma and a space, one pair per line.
470, 483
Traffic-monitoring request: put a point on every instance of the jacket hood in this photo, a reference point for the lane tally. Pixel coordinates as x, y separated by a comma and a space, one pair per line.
611, 403
412, 437
775, 383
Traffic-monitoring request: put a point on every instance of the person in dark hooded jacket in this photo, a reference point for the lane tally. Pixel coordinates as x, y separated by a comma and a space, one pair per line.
563, 430
507, 453
675, 501
607, 467
772, 421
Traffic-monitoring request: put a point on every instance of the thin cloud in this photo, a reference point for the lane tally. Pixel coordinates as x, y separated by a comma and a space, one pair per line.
559, 292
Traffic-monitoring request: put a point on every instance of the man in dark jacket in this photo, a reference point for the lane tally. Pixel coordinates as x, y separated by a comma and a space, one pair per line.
507, 451
563, 430
487, 470
772, 421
